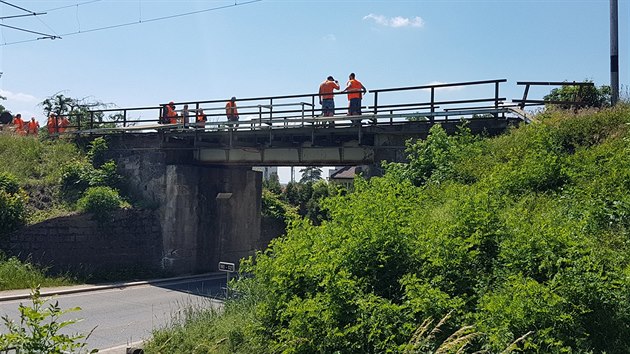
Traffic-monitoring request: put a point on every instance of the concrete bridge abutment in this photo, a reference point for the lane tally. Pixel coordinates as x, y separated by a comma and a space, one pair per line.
207, 214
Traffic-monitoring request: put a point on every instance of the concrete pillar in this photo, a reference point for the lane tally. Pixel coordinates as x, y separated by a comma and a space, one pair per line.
210, 214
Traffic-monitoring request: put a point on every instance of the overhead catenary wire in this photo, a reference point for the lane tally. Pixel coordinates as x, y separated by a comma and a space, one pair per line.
140, 21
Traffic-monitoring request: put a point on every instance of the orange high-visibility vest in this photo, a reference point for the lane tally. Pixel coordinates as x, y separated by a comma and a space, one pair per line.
230, 109
52, 125
354, 89
171, 114
33, 127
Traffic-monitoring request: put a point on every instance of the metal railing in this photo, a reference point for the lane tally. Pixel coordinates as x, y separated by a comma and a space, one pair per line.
295, 111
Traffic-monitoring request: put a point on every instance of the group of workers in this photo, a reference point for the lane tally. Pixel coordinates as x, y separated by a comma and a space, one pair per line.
170, 116
354, 89
54, 125
57, 124
22, 128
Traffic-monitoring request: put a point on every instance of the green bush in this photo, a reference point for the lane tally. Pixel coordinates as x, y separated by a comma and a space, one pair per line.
100, 201
523, 236
96, 152
13, 213
39, 330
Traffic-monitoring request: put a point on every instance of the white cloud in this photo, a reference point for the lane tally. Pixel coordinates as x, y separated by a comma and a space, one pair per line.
18, 97
330, 37
396, 22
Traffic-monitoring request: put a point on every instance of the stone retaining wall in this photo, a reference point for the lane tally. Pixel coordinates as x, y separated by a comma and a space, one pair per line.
129, 242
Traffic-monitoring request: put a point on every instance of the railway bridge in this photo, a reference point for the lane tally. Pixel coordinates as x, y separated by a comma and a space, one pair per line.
200, 176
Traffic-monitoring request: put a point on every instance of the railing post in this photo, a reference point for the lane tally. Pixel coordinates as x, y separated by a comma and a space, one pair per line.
375, 103
124, 118
313, 106
496, 99
271, 110
432, 104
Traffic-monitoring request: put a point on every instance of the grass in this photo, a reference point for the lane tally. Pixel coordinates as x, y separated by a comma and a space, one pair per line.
17, 275
34, 161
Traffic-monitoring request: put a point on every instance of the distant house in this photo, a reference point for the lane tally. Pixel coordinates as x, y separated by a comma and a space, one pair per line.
344, 176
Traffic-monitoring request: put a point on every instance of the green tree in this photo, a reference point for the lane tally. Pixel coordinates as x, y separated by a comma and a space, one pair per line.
78, 110
310, 174
586, 96
273, 184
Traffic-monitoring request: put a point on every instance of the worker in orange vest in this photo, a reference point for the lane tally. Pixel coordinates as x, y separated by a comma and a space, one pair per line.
201, 119
170, 113
19, 124
52, 124
63, 124
355, 90
231, 112
33, 127
326, 97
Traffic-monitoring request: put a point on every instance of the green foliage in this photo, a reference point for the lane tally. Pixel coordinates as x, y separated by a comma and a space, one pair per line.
13, 201
9, 183
524, 237
100, 201
96, 152
18, 275
310, 174
39, 330
35, 162
434, 159
273, 184
588, 96
273, 206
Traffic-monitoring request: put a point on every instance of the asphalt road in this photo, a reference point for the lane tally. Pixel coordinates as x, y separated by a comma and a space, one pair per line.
124, 316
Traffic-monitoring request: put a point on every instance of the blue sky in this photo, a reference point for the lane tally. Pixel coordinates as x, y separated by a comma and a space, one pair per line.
276, 47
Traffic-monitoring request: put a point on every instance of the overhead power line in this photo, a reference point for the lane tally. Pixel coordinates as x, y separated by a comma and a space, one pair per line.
30, 13
135, 22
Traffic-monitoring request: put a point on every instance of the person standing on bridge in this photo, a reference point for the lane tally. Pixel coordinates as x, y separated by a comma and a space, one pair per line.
231, 112
170, 113
201, 119
355, 90
326, 97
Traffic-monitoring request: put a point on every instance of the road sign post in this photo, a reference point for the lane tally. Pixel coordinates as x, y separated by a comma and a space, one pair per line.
228, 268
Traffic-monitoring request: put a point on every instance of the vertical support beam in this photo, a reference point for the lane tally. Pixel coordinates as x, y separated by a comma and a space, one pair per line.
432, 104
522, 104
614, 52
496, 99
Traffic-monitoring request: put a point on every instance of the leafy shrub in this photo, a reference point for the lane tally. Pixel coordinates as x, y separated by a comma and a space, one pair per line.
100, 201
97, 150
13, 201
75, 179
39, 330
523, 236
9, 183
78, 176
274, 207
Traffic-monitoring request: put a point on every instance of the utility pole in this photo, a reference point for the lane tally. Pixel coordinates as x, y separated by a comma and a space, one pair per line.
614, 52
